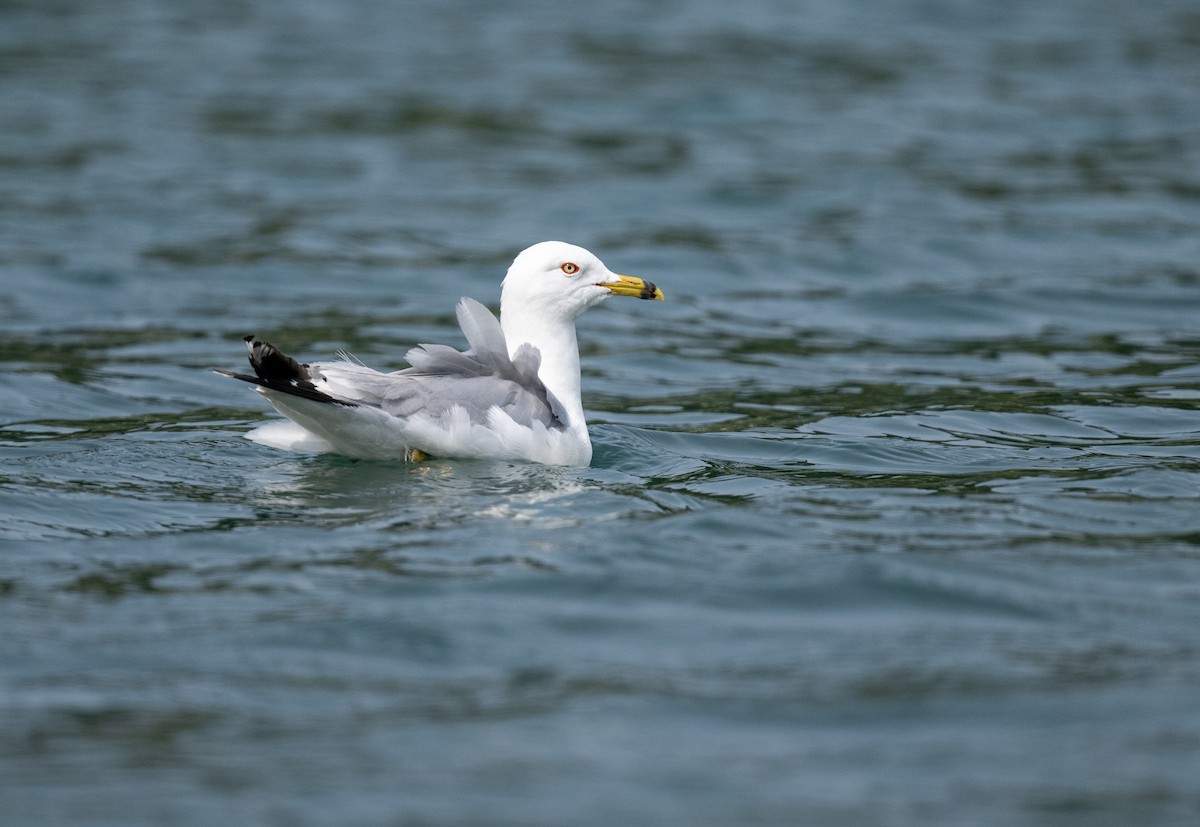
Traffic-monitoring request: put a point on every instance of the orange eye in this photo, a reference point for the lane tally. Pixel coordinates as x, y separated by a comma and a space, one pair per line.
570, 268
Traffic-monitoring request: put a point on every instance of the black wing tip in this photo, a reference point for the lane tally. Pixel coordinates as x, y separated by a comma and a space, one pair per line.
273, 365
276, 371
233, 374
302, 389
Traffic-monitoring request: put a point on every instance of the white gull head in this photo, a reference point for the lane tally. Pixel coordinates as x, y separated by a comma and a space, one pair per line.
557, 281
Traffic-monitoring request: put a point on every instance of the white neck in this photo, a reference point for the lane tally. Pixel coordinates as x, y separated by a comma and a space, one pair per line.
559, 370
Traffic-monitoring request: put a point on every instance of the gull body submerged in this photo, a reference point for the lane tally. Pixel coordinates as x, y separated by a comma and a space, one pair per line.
513, 394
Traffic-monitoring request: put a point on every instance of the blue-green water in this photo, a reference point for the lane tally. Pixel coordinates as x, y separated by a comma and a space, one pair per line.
894, 516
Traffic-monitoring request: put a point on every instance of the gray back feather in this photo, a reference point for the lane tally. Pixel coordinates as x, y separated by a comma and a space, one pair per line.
477, 379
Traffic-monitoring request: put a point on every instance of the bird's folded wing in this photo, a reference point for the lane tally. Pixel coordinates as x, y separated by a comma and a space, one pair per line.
442, 378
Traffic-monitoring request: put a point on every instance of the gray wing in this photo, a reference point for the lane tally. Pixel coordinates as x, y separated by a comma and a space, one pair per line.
477, 379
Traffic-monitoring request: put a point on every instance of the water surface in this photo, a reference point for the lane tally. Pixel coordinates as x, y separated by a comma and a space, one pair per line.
893, 516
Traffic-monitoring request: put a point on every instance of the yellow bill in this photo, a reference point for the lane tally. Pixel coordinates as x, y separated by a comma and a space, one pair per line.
633, 286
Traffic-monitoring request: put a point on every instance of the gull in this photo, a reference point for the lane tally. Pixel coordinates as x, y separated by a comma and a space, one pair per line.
514, 394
